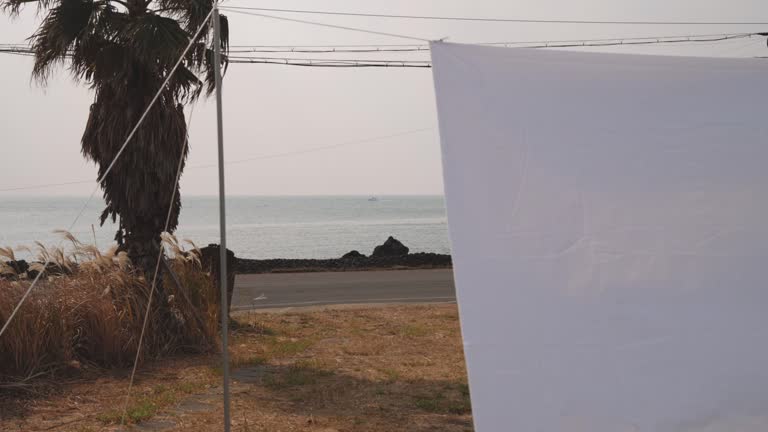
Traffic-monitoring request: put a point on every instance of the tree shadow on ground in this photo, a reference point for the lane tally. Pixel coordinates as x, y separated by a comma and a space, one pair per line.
390, 404
84, 386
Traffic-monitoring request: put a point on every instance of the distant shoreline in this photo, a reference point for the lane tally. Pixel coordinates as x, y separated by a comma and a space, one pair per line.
404, 262
412, 261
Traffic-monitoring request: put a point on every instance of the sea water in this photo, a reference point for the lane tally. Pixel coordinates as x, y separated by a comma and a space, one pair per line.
257, 227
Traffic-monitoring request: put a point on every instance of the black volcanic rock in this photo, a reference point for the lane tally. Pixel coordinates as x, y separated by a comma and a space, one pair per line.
391, 247
419, 260
211, 262
352, 254
19, 266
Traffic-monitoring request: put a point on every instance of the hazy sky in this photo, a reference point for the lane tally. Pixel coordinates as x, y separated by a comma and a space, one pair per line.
276, 109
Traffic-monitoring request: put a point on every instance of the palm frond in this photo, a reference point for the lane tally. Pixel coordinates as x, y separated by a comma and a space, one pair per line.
191, 12
14, 6
60, 29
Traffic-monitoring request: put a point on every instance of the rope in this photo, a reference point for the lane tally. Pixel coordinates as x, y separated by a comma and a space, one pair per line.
43, 186
329, 25
157, 270
45, 267
321, 148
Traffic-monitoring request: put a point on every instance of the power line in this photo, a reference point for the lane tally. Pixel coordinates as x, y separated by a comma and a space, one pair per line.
691, 37
426, 64
349, 63
21, 53
300, 50
331, 60
355, 29
326, 49
338, 64
319, 62
330, 46
401, 48
629, 42
396, 63
488, 19
501, 43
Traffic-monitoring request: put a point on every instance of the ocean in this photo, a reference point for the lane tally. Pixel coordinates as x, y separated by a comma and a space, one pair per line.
258, 227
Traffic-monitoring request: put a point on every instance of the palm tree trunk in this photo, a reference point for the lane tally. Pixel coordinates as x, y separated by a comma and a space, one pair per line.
141, 243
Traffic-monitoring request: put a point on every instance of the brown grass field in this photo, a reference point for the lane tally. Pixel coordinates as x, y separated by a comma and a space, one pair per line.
394, 368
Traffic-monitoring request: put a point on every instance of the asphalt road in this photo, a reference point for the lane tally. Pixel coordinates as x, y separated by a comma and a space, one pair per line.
285, 290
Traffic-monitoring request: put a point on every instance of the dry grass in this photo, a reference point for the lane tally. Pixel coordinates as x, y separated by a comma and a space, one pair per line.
379, 369
89, 311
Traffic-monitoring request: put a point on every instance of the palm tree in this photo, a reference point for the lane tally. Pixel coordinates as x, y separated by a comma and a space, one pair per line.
124, 50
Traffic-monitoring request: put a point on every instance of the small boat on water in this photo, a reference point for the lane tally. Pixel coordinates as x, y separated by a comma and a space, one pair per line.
373, 199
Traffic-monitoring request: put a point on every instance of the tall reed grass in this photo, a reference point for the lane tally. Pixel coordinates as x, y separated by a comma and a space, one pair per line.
90, 308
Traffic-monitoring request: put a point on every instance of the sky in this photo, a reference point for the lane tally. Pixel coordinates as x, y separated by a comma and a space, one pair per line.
380, 124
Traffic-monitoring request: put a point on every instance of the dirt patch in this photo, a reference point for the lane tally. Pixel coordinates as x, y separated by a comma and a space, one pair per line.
397, 368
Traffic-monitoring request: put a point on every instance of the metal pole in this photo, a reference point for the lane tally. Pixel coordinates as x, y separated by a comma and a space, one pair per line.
222, 218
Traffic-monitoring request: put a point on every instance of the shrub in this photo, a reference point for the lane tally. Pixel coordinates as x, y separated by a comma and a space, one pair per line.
91, 311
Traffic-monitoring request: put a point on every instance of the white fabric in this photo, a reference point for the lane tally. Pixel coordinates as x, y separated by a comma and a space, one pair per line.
608, 223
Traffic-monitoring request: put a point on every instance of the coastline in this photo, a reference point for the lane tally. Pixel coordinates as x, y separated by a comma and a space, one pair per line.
419, 260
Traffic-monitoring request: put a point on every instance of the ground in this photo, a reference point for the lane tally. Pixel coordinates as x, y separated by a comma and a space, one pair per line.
393, 368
